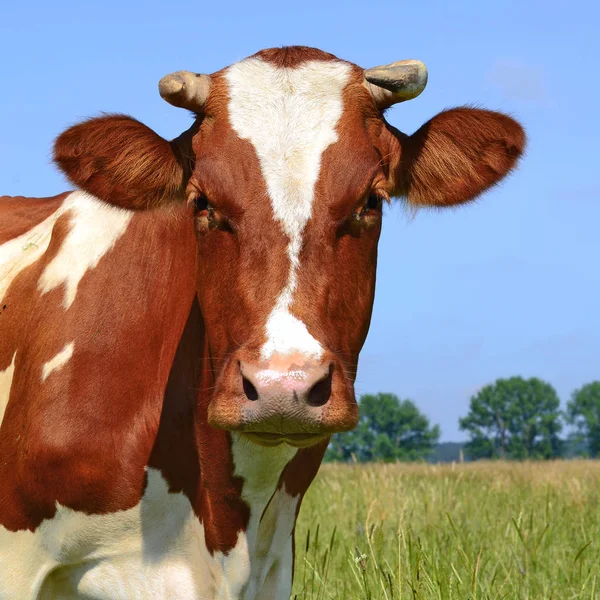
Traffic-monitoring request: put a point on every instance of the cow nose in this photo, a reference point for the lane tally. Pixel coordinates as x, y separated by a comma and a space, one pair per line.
284, 396
284, 380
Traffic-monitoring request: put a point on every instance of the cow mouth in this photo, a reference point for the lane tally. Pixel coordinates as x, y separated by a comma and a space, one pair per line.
298, 440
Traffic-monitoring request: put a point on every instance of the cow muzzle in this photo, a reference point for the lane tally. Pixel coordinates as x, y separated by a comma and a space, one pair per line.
288, 400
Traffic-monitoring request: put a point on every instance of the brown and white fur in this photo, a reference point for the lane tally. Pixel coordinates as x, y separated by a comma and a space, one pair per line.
179, 337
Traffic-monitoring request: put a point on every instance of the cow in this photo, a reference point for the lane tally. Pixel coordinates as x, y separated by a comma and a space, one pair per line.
179, 335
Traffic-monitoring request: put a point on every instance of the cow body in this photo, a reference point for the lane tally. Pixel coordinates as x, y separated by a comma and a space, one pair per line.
145, 537
179, 337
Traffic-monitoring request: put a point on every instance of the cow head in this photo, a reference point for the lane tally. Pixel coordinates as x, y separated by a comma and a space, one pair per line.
285, 171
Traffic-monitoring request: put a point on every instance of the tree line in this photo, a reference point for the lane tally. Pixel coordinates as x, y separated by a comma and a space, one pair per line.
513, 419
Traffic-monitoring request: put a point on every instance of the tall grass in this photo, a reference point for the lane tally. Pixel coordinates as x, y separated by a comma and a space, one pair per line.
486, 530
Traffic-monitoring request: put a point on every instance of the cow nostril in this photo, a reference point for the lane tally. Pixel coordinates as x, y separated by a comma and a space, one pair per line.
249, 389
320, 392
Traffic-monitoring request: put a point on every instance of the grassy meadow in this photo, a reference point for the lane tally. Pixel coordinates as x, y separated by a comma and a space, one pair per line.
486, 530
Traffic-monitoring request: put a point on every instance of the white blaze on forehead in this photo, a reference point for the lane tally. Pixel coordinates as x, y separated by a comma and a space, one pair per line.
290, 116
57, 362
95, 227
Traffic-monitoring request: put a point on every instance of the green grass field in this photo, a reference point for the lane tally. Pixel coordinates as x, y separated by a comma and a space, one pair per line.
481, 530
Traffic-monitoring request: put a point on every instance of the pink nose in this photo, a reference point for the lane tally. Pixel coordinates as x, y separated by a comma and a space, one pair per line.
287, 378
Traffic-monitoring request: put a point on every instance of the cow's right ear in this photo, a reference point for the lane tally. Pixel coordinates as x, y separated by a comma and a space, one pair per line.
123, 162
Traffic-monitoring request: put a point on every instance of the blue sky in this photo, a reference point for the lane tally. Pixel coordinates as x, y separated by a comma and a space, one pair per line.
507, 286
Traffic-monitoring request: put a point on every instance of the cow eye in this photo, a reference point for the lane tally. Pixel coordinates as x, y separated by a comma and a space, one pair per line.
208, 218
201, 204
371, 207
203, 210
204, 214
374, 201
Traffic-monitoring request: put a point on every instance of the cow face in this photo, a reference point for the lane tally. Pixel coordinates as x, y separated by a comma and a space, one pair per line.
285, 173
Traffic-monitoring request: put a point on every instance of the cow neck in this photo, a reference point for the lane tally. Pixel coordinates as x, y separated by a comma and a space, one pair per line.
233, 484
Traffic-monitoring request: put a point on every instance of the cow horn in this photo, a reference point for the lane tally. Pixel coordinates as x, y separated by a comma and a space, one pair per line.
397, 82
185, 89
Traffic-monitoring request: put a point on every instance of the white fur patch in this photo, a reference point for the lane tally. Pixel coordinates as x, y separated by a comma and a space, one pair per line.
273, 556
58, 361
272, 517
95, 228
155, 550
20, 252
289, 116
6, 378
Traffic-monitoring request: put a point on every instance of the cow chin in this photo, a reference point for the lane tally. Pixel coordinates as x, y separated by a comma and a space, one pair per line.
300, 407
269, 440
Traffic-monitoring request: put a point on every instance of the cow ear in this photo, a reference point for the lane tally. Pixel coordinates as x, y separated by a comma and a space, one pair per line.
123, 162
456, 156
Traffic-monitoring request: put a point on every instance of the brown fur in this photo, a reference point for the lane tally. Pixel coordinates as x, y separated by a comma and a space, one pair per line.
18, 215
292, 56
456, 156
122, 161
84, 436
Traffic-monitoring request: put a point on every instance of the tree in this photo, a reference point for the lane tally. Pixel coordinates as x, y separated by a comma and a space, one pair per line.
514, 418
389, 429
583, 412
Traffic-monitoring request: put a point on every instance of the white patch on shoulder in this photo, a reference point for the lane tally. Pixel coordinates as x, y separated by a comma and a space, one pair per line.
153, 550
6, 378
290, 117
95, 228
272, 517
58, 361
18, 253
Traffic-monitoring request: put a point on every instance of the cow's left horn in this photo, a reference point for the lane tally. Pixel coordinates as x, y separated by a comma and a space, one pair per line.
397, 82
185, 89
